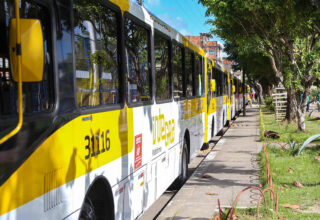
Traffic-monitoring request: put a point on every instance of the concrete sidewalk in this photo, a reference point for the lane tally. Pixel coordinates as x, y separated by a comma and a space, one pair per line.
228, 168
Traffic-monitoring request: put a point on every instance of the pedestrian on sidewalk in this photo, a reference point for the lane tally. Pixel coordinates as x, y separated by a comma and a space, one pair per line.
308, 103
251, 98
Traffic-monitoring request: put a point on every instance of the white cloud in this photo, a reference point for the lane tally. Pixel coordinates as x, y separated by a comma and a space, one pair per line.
176, 23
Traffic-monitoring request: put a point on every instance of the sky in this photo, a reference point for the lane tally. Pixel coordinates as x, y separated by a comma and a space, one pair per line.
186, 16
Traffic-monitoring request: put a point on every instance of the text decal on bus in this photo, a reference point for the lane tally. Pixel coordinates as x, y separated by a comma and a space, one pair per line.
163, 130
93, 144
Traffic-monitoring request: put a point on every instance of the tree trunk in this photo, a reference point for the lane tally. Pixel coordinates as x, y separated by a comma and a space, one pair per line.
301, 119
301, 109
269, 91
260, 92
290, 111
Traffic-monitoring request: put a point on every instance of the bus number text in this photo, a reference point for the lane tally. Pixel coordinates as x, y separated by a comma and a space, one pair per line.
93, 144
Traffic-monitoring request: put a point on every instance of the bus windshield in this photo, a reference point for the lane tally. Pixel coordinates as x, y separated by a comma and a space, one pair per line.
37, 96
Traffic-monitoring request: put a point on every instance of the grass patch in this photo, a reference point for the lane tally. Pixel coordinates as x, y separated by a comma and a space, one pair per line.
306, 170
288, 132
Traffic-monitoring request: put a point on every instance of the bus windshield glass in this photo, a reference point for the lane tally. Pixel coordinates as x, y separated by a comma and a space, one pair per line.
37, 96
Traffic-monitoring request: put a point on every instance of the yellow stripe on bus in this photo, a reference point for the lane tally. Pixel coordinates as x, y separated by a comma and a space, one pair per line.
213, 106
191, 46
225, 99
64, 152
193, 107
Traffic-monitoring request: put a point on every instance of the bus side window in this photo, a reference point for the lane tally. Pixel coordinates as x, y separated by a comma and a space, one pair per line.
37, 96
209, 68
139, 74
198, 75
214, 76
162, 77
96, 49
177, 70
226, 84
189, 58
220, 92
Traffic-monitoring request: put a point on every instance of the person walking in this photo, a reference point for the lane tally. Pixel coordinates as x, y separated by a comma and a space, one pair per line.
251, 98
308, 103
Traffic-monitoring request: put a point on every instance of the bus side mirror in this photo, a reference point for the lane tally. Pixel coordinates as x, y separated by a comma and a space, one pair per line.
213, 85
233, 89
32, 52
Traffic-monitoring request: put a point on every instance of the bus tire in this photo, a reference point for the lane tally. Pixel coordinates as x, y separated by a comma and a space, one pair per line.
223, 124
212, 131
178, 183
97, 204
212, 128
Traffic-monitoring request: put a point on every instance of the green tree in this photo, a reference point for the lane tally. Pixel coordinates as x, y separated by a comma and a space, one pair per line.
286, 31
256, 66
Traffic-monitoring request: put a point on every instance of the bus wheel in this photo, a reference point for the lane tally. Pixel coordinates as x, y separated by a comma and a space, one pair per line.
178, 183
87, 211
223, 121
184, 164
212, 128
98, 202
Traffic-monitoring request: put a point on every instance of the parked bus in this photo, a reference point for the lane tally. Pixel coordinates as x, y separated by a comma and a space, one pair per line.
102, 107
218, 98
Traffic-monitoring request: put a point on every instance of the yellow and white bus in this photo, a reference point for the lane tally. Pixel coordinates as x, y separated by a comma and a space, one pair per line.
218, 98
102, 107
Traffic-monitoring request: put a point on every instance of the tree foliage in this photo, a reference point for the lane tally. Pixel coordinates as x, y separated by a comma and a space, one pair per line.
285, 31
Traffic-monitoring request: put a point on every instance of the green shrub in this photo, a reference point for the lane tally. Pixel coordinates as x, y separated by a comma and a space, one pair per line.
268, 101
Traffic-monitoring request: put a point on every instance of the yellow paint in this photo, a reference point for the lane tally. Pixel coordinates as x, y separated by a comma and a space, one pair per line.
32, 52
65, 150
213, 106
229, 110
123, 4
192, 46
206, 97
213, 85
229, 97
163, 130
225, 99
261, 121
193, 107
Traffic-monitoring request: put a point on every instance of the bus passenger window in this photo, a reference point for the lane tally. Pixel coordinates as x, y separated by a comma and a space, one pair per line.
189, 73
217, 76
177, 71
209, 69
221, 83
198, 75
161, 54
137, 50
226, 85
214, 76
37, 96
96, 49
